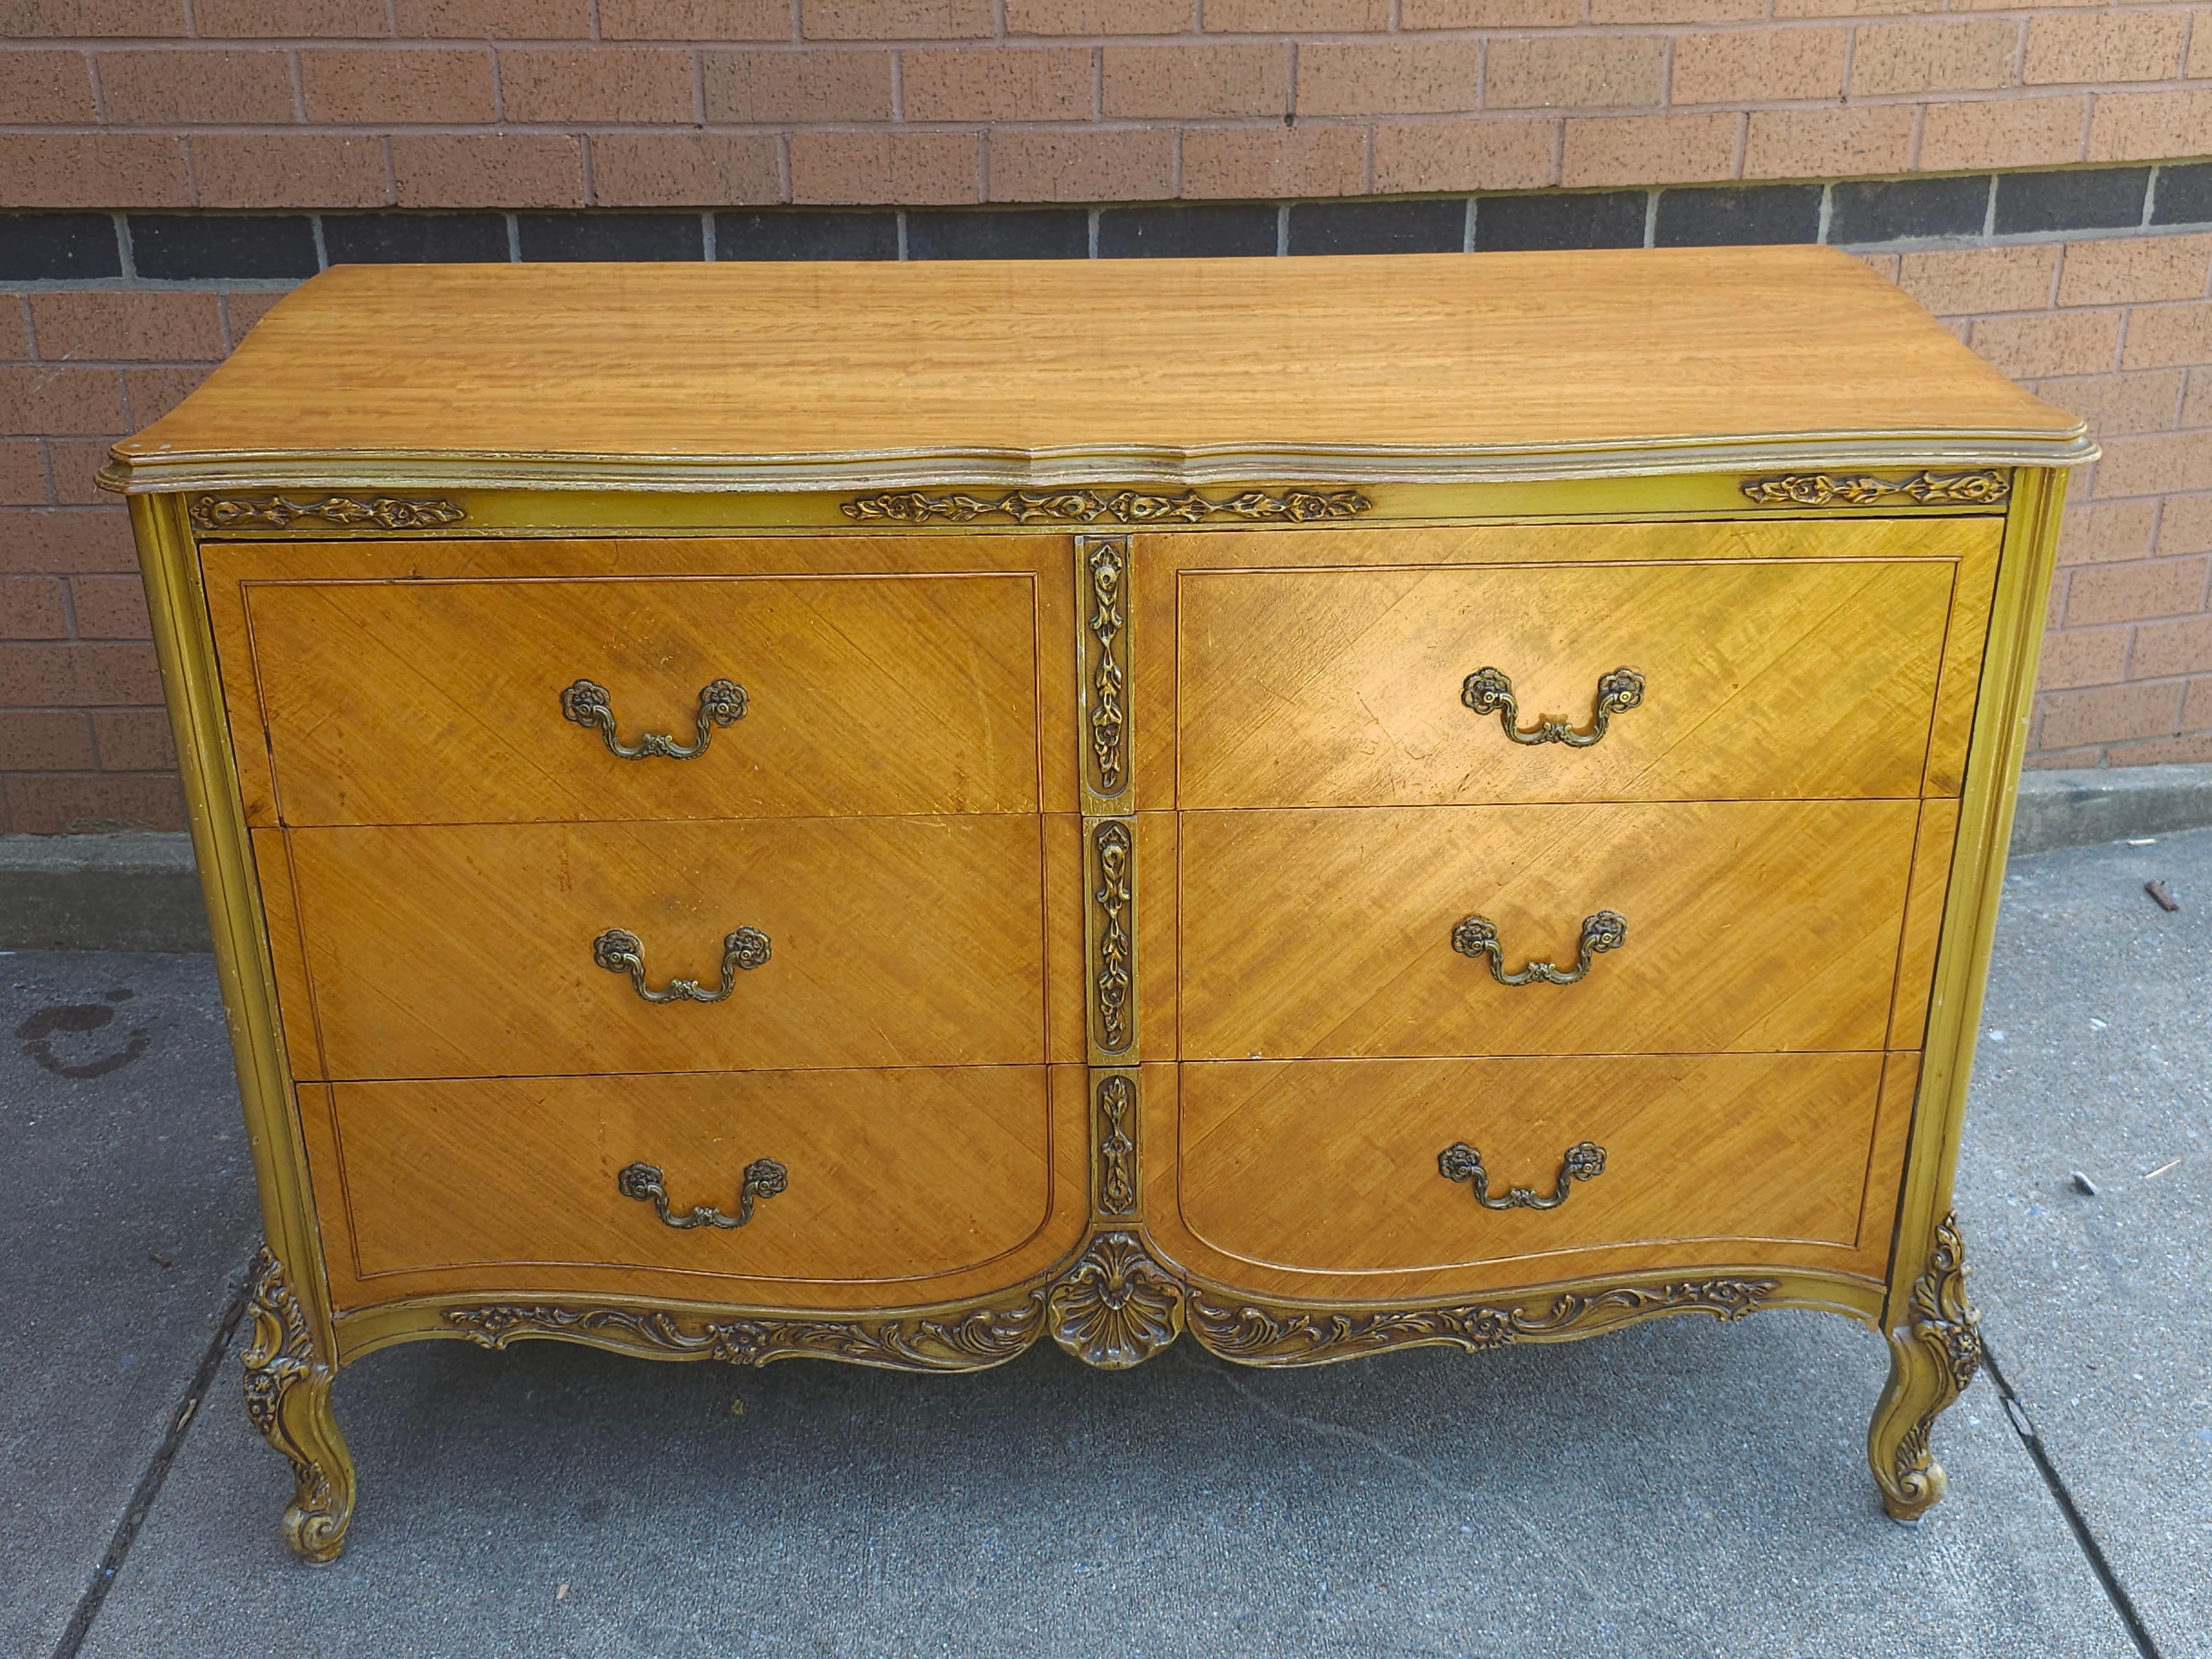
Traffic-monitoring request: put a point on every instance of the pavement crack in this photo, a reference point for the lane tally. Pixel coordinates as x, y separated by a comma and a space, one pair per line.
182, 1416
2015, 1411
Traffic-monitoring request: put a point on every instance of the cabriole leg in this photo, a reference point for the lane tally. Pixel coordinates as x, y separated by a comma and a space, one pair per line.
1932, 1358
287, 1396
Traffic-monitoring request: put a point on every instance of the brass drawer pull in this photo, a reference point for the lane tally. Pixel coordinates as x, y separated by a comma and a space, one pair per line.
1585, 1161
1488, 691
764, 1178
620, 952
719, 702
1477, 936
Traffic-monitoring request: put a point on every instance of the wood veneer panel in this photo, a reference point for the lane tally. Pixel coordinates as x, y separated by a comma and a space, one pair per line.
1923, 920
296, 1002
465, 950
1750, 925
1332, 1165
1343, 687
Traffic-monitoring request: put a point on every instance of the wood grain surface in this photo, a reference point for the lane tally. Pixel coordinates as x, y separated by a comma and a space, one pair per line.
466, 950
1343, 687
1752, 925
995, 365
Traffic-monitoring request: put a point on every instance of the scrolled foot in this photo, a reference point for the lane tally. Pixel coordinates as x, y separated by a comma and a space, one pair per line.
287, 1392
1932, 1358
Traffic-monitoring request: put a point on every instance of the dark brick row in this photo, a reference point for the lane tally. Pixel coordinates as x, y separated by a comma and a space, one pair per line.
278, 246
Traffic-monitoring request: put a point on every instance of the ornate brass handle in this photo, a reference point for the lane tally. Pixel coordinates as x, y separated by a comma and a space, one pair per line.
1477, 936
1585, 1161
620, 952
719, 702
1488, 691
764, 1178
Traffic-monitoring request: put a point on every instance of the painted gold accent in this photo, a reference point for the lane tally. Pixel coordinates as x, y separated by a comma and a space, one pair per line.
1117, 1145
1111, 506
622, 952
1114, 851
764, 1178
1584, 1161
1932, 1359
1116, 1307
1107, 558
1258, 1333
721, 702
280, 512
1488, 691
1975, 489
287, 1390
1477, 936
954, 1339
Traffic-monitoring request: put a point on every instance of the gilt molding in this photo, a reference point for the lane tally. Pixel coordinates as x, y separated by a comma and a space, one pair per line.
1117, 1135
344, 511
1113, 977
1116, 1307
1107, 506
1933, 1359
1106, 561
287, 1391
1975, 489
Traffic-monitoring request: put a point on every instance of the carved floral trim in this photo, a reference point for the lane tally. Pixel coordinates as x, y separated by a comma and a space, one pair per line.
1980, 489
1116, 1307
1118, 507
1114, 977
280, 512
1108, 560
1117, 1146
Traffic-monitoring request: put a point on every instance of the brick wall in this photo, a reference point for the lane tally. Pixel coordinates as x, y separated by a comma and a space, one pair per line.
2035, 175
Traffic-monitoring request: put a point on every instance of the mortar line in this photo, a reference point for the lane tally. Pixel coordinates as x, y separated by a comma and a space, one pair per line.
128, 1525
2016, 1411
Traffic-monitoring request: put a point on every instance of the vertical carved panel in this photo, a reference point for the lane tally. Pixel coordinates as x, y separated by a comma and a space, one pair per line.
1106, 667
1114, 972
1116, 1132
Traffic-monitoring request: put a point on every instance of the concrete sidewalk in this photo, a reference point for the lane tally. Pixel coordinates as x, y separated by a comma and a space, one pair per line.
1679, 1488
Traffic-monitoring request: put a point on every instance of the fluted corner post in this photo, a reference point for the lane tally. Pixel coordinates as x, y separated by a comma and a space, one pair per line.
288, 1398
1932, 1358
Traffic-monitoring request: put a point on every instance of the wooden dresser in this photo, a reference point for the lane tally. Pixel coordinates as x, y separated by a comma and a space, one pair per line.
889, 812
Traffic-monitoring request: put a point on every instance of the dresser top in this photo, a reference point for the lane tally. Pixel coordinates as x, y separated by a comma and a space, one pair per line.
831, 376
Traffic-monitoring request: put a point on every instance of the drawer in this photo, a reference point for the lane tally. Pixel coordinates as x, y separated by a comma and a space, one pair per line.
446, 702
472, 951
1749, 924
1333, 1166
884, 1175
1746, 679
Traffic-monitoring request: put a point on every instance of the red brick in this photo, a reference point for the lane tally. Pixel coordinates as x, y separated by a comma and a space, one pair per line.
2002, 132
1569, 72
2199, 66
1742, 64
66, 19
59, 740
2144, 402
2197, 402
493, 169
995, 84
37, 88
2132, 268
1273, 160
75, 463
241, 170
1400, 77
1117, 165
78, 676
494, 19
2150, 126
150, 394
43, 397
2185, 526
290, 19
57, 804
919, 167
2058, 342
14, 328
1684, 11
93, 170
694, 20
178, 87
23, 482
65, 541
1673, 150
1816, 144
134, 740
2094, 656
1968, 55
2131, 592
2166, 751
2110, 714
1232, 78
2156, 465
108, 327
2197, 705
596, 83
31, 608
1296, 16
2104, 45
404, 86
1449, 155
686, 169
110, 608
894, 20
2162, 335
1960, 282
1098, 16
2168, 648
2103, 532
1489, 14
798, 86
